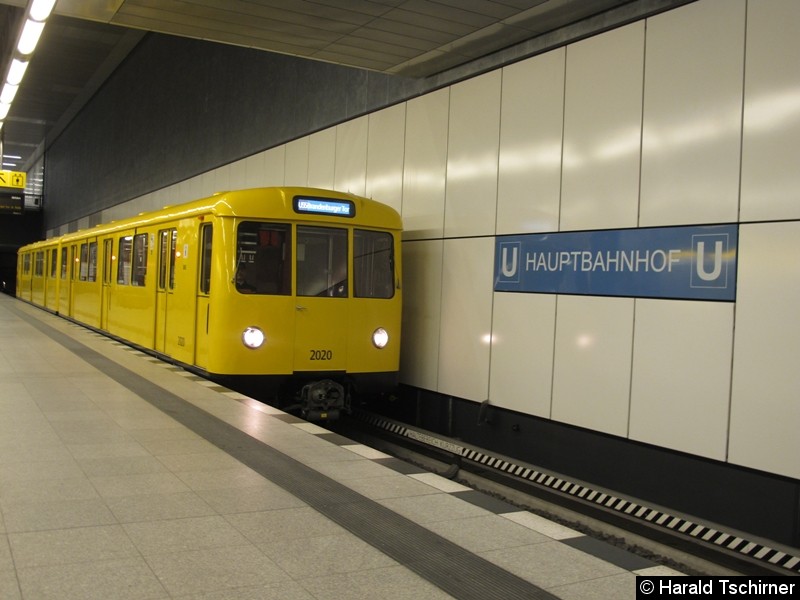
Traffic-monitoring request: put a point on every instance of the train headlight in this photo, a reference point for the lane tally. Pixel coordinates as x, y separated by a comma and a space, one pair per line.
253, 337
380, 337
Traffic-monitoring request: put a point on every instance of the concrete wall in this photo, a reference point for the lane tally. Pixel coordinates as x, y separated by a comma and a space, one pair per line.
178, 107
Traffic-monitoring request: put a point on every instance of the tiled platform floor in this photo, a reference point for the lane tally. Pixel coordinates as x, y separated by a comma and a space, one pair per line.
103, 495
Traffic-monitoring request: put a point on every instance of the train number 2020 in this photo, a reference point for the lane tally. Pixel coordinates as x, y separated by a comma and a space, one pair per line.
321, 354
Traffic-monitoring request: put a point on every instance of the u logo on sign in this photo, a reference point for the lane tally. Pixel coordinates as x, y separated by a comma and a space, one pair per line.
710, 269
701, 261
509, 261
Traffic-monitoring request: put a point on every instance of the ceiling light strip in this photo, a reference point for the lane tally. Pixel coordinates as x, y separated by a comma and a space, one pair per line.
37, 13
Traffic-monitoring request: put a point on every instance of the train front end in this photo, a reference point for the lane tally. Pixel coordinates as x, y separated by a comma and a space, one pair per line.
310, 298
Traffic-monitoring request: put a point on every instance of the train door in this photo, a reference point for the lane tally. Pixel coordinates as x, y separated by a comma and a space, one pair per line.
203, 297
105, 294
165, 286
322, 291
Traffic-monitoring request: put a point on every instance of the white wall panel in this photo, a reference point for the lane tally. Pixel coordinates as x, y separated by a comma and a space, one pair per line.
385, 151
531, 122
156, 201
296, 166
208, 184
422, 309
467, 269
114, 213
680, 389
523, 327
265, 169
765, 412
771, 141
692, 114
592, 371
238, 175
189, 188
322, 158
254, 170
350, 172
472, 154
602, 130
425, 166
222, 179
274, 165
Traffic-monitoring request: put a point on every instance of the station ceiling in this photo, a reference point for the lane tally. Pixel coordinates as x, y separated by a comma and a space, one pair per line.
85, 40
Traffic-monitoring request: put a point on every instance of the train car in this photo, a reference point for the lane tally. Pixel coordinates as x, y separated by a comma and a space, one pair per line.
294, 290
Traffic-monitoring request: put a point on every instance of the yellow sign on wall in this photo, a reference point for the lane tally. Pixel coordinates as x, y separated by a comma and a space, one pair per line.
12, 179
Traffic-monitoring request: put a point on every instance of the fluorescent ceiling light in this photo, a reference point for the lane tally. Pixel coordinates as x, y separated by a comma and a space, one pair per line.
30, 37
41, 9
8, 93
17, 71
4, 108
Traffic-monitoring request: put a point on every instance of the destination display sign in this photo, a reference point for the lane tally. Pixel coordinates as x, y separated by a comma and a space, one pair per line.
11, 202
693, 263
324, 206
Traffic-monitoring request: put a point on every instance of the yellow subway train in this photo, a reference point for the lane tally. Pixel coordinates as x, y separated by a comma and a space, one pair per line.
292, 290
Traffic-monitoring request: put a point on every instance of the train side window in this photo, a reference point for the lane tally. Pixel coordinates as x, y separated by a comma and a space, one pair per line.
84, 268
92, 271
173, 254
124, 260
263, 258
373, 264
53, 262
206, 234
38, 265
163, 248
321, 261
75, 262
167, 243
108, 259
139, 259
63, 263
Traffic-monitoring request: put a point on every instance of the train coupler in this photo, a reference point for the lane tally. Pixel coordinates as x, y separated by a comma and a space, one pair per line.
322, 400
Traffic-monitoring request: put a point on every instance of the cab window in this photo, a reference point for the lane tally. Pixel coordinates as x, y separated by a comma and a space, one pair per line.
321, 261
263, 258
373, 264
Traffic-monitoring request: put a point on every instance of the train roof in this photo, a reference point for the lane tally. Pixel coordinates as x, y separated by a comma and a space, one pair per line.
258, 203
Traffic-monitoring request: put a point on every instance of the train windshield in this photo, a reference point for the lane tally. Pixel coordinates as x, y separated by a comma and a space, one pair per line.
264, 258
321, 261
373, 264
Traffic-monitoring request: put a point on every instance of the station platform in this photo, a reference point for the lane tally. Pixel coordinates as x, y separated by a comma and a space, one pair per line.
122, 476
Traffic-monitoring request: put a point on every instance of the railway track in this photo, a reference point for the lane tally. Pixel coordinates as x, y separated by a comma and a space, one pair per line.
678, 541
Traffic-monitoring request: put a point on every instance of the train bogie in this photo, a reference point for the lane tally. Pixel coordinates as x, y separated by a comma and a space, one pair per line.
299, 287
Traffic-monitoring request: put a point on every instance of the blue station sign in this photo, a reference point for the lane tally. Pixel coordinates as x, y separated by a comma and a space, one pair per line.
692, 263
